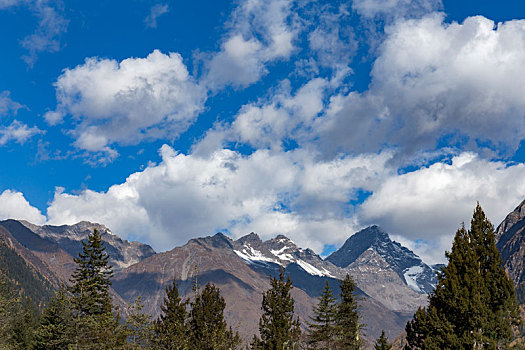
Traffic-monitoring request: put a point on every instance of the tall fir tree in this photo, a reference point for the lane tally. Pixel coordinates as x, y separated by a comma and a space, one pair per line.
278, 328
348, 326
95, 325
474, 305
139, 326
208, 329
321, 329
171, 330
382, 342
55, 329
92, 278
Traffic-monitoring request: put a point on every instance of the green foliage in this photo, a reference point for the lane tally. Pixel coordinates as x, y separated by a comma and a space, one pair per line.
91, 279
207, 326
347, 321
94, 324
27, 282
473, 305
382, 342
171, 329
56, 324
278, 328
139, 326
18, 318
322, 329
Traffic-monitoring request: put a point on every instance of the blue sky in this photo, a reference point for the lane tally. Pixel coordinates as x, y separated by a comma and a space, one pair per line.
166, 120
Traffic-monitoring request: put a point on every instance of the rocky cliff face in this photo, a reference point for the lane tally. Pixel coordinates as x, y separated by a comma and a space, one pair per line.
372, 249
241, 269
510, 236
69, 237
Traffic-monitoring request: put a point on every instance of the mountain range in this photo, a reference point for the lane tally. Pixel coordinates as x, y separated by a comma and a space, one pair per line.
392, 280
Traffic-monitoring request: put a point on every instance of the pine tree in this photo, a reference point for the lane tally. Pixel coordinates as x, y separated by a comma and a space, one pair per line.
278, 328
140, 328
92, 278
95, 326
208, 328
56, 324
321, 331
382, 342
474, 304
171, 329
347, 321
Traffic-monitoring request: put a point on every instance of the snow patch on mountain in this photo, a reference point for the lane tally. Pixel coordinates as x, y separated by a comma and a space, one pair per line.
411, 275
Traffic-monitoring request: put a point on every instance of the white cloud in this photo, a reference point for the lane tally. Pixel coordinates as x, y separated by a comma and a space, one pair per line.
128, 102
13, 205
7, 105
51, 24
155, 12
8, 3
260, 32
187, 196
18, 132
332, 38
433, 79
395, 8
430, 204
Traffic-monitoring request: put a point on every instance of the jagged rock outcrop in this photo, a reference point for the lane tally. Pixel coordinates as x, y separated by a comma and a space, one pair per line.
511, 244
122, 252
372, 248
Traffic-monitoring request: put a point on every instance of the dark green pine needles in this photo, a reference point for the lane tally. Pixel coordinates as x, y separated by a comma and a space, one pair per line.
92, 278
347, 322
171, 330
321, 329
278, 328
473, 305
382, 342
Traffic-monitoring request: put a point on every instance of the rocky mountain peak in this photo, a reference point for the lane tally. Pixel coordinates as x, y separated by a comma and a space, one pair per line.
69, 237
250, 238
510, 220
219, 240
407, 265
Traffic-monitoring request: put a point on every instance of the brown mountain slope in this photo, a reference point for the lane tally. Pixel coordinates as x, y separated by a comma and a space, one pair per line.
212, 259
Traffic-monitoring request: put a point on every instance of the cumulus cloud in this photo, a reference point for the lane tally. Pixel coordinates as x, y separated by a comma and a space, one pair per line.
13, 205
429, 204
18, 132
155, 12
187, 196
126, 102
433, 80
259, 32
332, 38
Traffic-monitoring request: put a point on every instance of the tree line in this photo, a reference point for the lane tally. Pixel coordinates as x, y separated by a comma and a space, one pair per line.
472, 307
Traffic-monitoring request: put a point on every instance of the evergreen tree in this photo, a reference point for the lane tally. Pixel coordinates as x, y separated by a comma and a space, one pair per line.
24, 325
278, 328
56, 324
208, 328
95, 326
321, 331
382, 342
140, 329
474, 304
347, 321
92, 278
171, 329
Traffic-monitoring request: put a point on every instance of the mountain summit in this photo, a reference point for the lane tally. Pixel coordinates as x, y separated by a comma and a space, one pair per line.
373, 241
